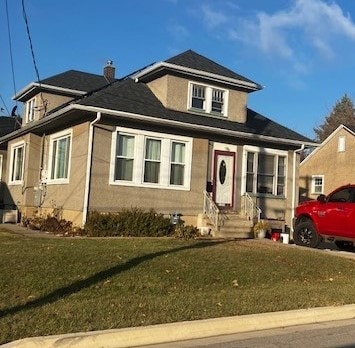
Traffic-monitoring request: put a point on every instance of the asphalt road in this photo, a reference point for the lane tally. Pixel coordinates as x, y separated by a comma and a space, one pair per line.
336, 334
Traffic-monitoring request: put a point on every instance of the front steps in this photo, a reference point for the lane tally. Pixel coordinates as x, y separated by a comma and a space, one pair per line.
235, 226
232, 226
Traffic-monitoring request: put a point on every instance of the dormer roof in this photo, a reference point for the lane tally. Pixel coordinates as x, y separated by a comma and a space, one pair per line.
190, 63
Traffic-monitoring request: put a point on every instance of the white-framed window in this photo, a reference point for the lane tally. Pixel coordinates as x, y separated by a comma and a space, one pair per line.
264, 171
317, 184
30, 110
208, 99
1, 161
59, 157
341, 143
150, 159
17, 160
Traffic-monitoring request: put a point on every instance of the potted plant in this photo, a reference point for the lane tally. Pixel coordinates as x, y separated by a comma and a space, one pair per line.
260, 229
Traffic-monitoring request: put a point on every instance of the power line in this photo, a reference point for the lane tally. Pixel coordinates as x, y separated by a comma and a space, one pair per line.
30, 40
10, 47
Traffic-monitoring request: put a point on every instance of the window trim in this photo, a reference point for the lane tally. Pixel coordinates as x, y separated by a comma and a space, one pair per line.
13, 147
139, 159
53, 137
341, 143
30, 110
266, 151
314, 177
207, 109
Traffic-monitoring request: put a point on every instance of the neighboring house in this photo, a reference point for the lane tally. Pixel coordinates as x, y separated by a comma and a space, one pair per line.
7, 126
330, 165
176, 136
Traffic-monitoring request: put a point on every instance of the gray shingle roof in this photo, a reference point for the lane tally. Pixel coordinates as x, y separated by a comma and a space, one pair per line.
137, 98
193, 60
8, 125
77, 80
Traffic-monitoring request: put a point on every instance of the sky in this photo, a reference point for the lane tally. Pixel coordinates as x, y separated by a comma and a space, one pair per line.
301, 51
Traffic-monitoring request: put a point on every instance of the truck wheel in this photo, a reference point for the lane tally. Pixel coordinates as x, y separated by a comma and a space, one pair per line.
305, 234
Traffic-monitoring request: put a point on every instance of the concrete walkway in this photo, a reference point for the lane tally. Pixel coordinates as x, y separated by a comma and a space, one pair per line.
164, 333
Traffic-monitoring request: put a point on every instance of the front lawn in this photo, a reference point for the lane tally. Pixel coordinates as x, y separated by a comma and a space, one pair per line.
61, 285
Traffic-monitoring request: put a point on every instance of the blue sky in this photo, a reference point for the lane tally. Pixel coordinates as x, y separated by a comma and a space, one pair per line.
301, 51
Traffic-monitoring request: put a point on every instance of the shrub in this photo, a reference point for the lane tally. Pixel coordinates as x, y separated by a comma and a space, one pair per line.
129, 222
49, 224
186, 232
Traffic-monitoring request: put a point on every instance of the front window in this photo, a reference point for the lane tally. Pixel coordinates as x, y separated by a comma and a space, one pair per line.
177, 167
150, 159
265, 173
208, 99
124, 157
17, 163
60, 147
317, 184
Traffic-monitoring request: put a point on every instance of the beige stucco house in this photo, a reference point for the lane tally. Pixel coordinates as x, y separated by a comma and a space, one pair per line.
330, 165
176, 136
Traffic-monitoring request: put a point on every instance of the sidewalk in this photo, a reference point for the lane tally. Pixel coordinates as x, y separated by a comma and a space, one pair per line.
164, 333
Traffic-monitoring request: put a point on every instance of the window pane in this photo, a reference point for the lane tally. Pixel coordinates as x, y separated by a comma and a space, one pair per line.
60, 158
151, 172
124, 157
266, 164
198, 97
217, 100
281, 170
177, 168
178, 153
152, 161
265, 184
177, 174
124, 169
250, 180
125, 145
19, 163
250, 162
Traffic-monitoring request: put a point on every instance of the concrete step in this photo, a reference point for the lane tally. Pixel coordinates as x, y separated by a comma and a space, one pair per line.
235, 226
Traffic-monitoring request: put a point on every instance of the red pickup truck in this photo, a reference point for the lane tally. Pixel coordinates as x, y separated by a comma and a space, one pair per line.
331, 217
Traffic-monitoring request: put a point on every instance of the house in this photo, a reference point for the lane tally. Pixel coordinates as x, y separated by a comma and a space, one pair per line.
176, 136
330, 165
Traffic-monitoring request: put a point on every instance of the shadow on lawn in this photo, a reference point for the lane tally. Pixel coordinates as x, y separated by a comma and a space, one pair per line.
98, 277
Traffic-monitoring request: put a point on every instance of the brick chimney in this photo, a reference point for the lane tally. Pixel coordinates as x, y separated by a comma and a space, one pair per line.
109, 70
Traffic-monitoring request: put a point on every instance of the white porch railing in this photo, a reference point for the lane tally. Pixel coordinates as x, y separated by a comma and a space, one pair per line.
251, 210
211, 209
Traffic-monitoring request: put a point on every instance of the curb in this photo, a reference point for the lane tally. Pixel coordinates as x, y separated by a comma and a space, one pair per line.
187, 330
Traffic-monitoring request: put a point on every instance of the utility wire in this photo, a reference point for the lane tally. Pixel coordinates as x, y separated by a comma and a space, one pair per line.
11, 55
30, 40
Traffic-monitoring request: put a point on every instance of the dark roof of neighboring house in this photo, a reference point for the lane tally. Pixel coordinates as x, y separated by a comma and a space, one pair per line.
77, 80
136, 98
8, 125
193, 60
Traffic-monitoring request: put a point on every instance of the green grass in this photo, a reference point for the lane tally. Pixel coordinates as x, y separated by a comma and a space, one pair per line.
61, 285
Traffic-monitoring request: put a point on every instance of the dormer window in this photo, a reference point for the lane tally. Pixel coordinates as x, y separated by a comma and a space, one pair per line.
30, 110
208, 99
198, 97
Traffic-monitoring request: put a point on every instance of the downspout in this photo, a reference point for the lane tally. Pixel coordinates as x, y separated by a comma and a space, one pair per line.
293, 205
88, 167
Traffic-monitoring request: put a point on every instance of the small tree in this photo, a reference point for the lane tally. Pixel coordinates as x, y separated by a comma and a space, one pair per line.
342, 113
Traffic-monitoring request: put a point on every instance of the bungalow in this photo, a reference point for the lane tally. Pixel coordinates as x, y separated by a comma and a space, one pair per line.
175, 136
330, 165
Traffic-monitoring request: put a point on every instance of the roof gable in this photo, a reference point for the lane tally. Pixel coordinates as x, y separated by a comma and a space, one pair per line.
193, 65
193, 60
